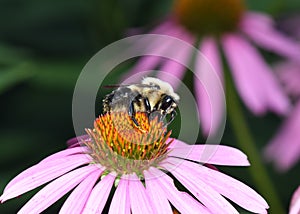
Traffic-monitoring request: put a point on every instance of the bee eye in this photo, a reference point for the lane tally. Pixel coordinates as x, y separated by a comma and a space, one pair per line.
166, 102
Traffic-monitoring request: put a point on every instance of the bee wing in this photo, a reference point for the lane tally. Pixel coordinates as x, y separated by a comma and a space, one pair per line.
114, 86
126, 85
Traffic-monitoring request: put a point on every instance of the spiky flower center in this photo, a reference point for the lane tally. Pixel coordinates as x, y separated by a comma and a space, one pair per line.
209, 16
124, 148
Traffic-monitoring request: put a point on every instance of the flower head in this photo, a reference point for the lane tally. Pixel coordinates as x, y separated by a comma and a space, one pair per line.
229, 27
124, 148
136, 162
205, 17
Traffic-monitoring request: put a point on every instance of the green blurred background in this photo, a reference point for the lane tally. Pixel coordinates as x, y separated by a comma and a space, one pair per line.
43, 47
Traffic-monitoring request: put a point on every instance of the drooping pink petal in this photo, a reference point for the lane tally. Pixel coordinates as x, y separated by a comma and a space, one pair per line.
66, 152
76, 201
56, 189
183, 202
290, 25
163, 28
212, 154
143, 68
289, 75
172, 68
260, 29
76, 141
99, 195
255, 82
156, 195
229, 187
209, 49
209, 197
284, 148
208, 68
295, 202
154, 49
139, 200
120, 202
42, 173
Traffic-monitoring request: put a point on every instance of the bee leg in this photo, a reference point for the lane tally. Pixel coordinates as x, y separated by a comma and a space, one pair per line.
173, 115
147, 107
106, 102
131, 113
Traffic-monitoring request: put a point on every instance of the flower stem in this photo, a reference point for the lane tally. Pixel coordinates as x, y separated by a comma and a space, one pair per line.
247, 143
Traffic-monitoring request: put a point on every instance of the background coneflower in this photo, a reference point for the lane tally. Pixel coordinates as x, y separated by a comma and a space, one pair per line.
228, 28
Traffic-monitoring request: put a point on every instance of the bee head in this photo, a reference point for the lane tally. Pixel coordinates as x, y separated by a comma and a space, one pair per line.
165, 87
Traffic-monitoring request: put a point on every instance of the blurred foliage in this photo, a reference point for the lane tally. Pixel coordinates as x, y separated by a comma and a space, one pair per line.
43, 47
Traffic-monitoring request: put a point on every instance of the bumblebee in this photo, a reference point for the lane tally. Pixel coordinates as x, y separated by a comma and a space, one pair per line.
152, 95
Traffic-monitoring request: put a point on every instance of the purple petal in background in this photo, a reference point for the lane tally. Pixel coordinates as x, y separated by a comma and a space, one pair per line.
210, 118
289, 75
284, 148
255, 82
260, 29
148, 63
173, 68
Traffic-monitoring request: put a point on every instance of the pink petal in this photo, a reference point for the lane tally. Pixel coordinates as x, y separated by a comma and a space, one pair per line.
260, 29
139, 200
157, 196
56, 189
66, 152
76, 201
162, 28
255, 82
210, 99
41, 174
173, 71
295, 202
183, 202
99, 195
212, 154
289, 75
284, 148
229, 187
144, 67
120, 202
154, 49
76, 141
209, 49
204, 193
290, 25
